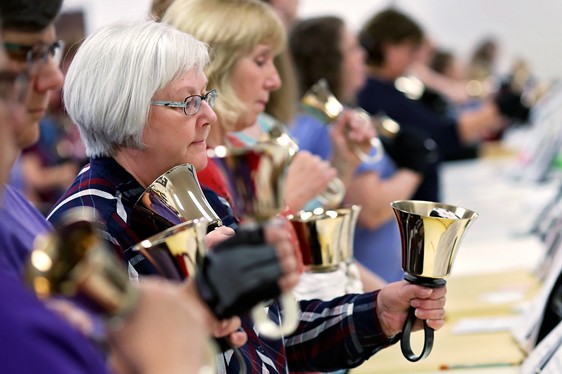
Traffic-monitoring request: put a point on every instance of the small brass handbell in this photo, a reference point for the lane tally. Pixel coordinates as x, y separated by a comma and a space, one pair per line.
429, 247
321, 103
174, 197
176, 252
334, 193
73, 261
350, 215
321, 234
256, 175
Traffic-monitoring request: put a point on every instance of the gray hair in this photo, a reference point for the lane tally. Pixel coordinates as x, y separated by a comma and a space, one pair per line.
115, 74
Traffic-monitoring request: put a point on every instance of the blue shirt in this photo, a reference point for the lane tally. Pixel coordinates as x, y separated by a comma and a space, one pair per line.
377, 249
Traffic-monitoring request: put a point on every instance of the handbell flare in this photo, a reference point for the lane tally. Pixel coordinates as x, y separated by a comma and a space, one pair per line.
430, 244
173, 198
431, 234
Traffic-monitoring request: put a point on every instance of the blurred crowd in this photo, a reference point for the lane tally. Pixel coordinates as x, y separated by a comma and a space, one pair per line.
101, 135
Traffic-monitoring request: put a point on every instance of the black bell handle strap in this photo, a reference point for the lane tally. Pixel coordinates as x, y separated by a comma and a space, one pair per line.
405, 340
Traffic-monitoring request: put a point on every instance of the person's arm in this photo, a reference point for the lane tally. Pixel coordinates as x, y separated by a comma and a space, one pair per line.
371, 281
375, 194
346, 331
176, 343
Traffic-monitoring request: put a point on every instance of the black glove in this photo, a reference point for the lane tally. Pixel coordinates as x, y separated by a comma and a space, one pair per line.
411, 149
239, 273
510, 105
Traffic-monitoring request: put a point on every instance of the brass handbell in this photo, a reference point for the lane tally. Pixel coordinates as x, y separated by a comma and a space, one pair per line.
321, 102
74, 261
326, 236
256, 175
431, 234
350, 215
176, 252
174, 197
334, 193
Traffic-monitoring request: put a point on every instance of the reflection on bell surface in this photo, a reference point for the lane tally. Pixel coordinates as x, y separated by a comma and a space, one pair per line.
430, 244
326, 236
176, 252
74, 261
320, 235
431, 234
172, 198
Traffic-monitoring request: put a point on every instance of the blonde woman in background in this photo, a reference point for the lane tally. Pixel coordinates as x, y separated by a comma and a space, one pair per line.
332, 335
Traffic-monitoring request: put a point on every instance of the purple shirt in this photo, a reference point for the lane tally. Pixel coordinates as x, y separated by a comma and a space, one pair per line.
35, 340
20, 222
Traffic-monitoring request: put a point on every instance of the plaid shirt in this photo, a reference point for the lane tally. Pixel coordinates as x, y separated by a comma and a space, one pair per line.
341, 333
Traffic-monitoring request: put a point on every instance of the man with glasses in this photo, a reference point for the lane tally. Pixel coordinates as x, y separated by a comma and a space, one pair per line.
34, 53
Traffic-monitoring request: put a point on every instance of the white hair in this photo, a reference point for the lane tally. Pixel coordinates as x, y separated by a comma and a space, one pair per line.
115, 74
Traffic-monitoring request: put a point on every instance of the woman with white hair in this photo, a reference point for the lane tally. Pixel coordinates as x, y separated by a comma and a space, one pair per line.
337, 334
139, 97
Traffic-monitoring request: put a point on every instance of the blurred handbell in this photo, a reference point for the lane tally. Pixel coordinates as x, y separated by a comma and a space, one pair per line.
350, 215
174, 197
74, 261
334, 193
256, 175
321, 102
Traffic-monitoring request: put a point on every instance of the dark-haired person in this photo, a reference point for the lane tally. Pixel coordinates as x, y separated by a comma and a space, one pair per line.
325, 47
30, 42
391, 40
36, 339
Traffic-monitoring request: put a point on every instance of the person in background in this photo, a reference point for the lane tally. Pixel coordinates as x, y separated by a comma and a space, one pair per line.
324, 47
391, 40
34, 337
244, 73
30, 42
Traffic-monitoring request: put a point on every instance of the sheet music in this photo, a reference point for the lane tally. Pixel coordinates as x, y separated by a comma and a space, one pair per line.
547, 356
526, 331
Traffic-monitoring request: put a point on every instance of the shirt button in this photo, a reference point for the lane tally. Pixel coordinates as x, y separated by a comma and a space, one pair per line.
260, 349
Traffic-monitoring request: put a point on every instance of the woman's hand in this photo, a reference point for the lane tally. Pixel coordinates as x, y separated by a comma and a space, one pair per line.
350, 133
307, 177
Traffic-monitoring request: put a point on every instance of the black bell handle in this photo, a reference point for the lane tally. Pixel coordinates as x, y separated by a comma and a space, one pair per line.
405, 340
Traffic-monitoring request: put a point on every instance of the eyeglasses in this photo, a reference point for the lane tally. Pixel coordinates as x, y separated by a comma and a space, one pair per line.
36, 55
12, 86
191, 104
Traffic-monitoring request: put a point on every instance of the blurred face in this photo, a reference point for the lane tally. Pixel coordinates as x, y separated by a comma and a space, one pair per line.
353, 66
253, 78
45, 76
398, 57
172, 137
11, 111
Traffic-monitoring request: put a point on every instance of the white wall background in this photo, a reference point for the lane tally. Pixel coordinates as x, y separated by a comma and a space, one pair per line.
531, 29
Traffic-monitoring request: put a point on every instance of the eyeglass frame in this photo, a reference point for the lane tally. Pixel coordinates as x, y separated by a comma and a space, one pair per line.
34, 58
209, 97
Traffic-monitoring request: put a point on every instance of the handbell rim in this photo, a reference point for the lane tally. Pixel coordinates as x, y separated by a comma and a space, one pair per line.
158, 238
469, 213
